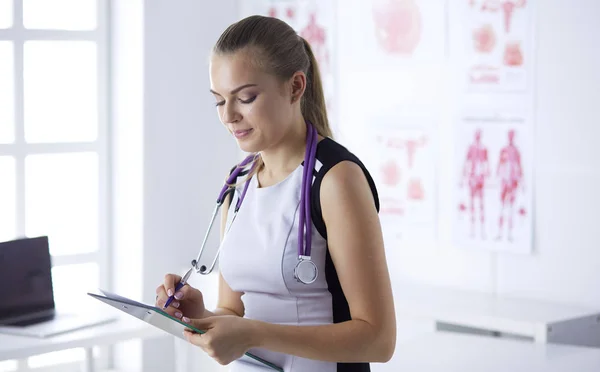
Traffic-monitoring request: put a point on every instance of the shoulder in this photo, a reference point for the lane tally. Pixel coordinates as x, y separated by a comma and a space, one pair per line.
335, 163
339, 175
343, 182
331, 153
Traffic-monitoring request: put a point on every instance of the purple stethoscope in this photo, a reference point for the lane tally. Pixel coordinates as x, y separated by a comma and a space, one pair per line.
306, 270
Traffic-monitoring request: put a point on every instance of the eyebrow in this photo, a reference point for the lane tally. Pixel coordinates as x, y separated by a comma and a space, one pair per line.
236, 89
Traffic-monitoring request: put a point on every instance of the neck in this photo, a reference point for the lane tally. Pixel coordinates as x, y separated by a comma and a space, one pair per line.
281, 159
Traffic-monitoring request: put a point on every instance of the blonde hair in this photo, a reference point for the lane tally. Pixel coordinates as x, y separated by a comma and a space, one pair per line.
279, 50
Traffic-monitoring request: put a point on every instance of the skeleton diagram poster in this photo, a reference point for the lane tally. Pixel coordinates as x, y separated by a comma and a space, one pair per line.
314, 20
494, 173
497, 44
399, 152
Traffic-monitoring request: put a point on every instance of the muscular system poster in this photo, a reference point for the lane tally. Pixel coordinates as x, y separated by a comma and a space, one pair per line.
493, 189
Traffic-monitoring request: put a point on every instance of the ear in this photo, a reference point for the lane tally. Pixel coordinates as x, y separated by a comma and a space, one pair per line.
298, 85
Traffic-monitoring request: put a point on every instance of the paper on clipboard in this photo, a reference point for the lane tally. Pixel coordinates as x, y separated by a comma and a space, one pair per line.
160, 319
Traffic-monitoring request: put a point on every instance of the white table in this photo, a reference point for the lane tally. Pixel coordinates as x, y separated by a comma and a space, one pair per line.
20, 347
542, 321
453, 352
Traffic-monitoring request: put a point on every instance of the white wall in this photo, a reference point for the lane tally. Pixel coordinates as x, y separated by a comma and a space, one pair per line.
187, 152
168, 177
566, 263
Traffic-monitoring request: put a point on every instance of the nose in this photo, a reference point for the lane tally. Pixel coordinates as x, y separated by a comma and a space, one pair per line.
229, 113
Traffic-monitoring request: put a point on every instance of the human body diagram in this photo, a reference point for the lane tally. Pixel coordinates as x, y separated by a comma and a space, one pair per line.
478, 178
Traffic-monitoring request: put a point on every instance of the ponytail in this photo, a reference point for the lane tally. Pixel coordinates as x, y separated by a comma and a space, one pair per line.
313, 104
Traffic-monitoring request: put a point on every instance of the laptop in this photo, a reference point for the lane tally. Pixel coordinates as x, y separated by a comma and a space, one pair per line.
26, 294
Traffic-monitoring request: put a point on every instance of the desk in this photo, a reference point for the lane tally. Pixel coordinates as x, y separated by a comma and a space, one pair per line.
20, 347
453, 352
545, 322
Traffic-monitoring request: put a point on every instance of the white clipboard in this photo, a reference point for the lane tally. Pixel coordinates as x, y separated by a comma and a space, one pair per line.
160, 319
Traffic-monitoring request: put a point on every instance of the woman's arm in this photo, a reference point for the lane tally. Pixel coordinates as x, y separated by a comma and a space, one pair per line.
356, 246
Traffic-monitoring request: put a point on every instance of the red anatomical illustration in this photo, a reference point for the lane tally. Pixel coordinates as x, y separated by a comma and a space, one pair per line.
513, 56
290, 12
484, 39
316, 37
476, 170
415, 190
391, 173
398, 25
510, 173
506, 6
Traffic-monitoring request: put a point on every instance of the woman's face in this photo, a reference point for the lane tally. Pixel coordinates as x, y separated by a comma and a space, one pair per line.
253, 105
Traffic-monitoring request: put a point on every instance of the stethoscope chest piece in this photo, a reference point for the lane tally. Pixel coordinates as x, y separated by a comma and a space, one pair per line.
306, 271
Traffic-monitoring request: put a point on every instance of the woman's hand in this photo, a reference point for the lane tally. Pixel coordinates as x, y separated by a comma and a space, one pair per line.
227, 337
188, 300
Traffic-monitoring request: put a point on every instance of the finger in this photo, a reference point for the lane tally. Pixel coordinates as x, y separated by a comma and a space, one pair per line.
161, 298
181, 293
176, 313
185, 292
201, 324
161, 295
160, 303
194, 338
169, 283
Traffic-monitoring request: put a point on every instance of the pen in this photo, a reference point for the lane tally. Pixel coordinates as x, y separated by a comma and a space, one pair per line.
178, 287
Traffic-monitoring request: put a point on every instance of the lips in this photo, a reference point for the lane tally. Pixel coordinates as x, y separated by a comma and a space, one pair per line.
241, 133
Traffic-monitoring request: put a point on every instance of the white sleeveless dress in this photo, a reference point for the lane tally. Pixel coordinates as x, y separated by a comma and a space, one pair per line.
258, 256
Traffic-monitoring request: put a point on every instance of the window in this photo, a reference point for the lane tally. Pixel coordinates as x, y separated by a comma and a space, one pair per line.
54, 171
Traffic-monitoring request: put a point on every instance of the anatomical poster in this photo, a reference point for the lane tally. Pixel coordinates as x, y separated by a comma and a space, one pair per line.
384, 33
314, 20
497, 43
400, 157
493, 184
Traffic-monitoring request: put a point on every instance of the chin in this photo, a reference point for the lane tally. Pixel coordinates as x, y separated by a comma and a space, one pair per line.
249, 146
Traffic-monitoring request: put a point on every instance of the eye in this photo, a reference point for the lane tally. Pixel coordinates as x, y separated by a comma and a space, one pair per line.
221, 103
249, 100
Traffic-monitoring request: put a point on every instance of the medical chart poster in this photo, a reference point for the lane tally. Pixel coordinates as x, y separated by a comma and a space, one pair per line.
315, 21
401, 159
493, 182
496, 44
389, 33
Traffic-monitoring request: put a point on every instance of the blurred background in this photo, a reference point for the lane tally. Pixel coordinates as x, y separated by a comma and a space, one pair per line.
477, 118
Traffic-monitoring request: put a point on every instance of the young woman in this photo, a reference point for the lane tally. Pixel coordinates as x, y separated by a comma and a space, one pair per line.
269, 96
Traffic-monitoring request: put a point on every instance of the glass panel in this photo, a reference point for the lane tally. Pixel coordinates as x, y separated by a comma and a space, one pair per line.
7, 109
59, 14
71, 283
7, 198
6, 21
61, 200
60, 91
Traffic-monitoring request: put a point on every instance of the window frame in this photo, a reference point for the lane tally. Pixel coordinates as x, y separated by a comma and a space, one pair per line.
19, 149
